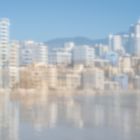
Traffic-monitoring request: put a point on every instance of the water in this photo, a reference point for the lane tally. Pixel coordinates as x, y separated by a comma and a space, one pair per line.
39, 117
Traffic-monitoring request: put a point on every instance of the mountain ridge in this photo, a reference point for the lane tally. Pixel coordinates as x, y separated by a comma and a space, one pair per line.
59, 42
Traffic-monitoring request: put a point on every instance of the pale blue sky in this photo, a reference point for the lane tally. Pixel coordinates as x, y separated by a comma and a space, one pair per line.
42, 20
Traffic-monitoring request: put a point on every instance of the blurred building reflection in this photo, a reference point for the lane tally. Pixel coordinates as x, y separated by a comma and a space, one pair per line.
120, 113
9, 119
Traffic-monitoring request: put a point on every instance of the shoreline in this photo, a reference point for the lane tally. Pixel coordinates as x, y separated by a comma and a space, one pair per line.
66, 92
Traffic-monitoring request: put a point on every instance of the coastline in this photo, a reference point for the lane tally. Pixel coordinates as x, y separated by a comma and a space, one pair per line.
66, 92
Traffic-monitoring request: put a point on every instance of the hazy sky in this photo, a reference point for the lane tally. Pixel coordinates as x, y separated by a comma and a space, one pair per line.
42, 20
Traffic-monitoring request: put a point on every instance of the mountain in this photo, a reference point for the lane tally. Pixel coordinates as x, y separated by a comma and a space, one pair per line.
59, 42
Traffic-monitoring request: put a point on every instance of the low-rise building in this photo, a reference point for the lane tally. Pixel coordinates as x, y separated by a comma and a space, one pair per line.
93, 78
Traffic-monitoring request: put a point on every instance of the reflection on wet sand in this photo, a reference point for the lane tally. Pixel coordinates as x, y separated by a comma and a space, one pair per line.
39, 113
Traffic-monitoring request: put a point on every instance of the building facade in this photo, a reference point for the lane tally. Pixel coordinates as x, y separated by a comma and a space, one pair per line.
4, 52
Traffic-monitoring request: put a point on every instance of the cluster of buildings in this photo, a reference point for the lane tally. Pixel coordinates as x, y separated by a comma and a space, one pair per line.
29, 64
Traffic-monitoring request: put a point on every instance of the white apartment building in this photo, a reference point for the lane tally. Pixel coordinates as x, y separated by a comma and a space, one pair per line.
60, 57
4, 52
117, 43
14, 64
41, 54
26, 53
68, 46
83, 55
33, 52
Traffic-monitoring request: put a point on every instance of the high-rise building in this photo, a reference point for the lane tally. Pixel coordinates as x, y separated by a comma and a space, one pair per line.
134, 34
4, 41
14, 64
110, 41
41, 54
117, 44
4, 52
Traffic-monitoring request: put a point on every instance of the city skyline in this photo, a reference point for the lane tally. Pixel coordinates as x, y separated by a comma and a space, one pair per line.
45, 20
30, 64
69, 68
